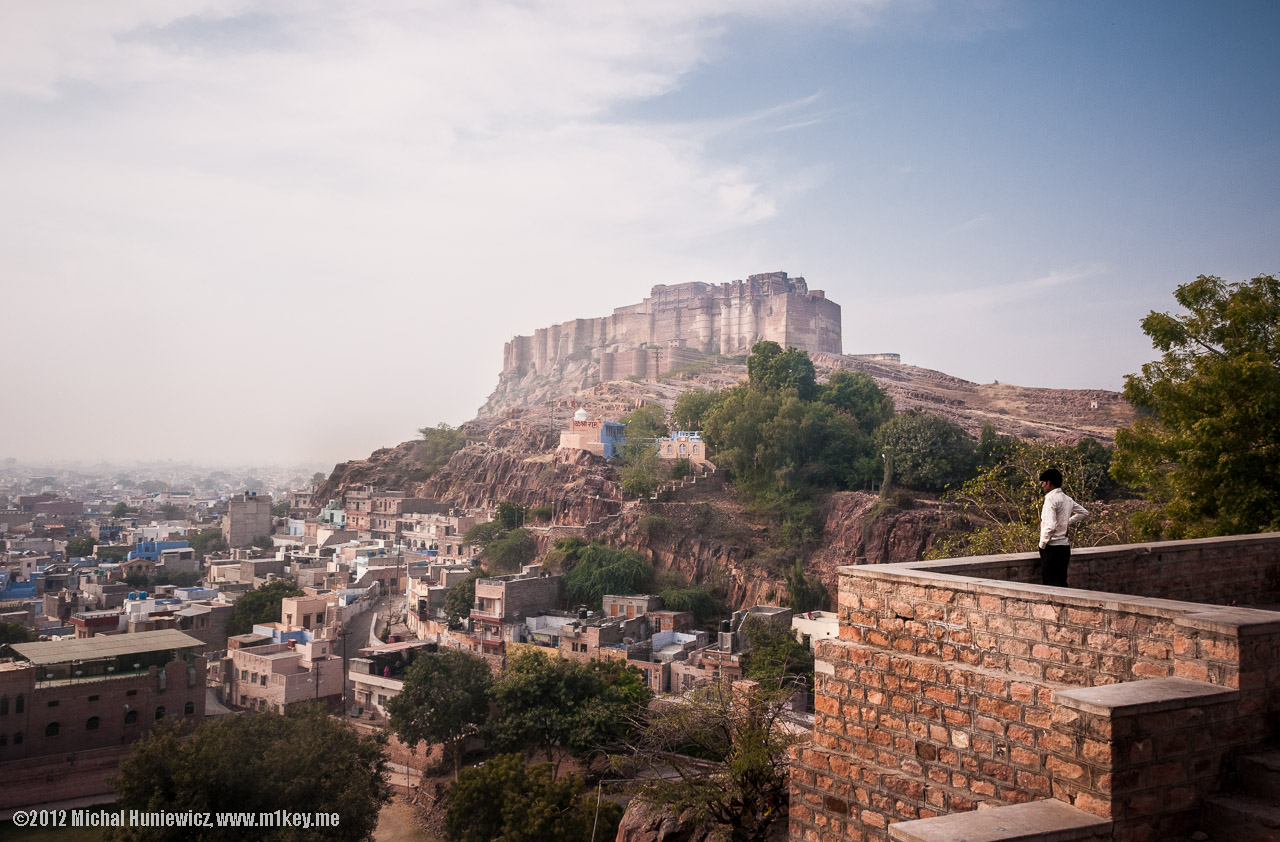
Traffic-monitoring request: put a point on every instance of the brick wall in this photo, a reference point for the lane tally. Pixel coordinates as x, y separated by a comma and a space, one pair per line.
939, 695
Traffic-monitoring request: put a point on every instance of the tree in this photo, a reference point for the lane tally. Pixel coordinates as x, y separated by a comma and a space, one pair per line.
929, 452
690, 408
594, 570
639, 474
773, 655
80, 547
720, 752
280, 509
207, 541
482, 534
856, 393
438, 444
769, 367
507, 801
14, 633
647, 422
550, 704
317, 479
445, 699
804, 594
461, 596
299, 760
170, 511
1206, 445
1004, 500
510, 515
260, 605
120, 510
512, 551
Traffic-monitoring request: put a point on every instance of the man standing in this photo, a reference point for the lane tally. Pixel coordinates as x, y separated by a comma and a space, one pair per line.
1059, 512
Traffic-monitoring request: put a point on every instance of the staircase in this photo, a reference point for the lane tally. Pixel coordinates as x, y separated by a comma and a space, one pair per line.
1250, 813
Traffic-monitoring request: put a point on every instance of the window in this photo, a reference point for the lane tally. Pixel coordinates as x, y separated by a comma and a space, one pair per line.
17, 739
91, 724
131, 693
159, 713
189, 708
19, 705
93, 698
131, 718
53, 704
4, 740
52, 729
4, 705
264, 679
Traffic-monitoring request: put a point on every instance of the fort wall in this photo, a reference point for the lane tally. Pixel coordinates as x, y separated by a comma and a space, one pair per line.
962, 684
678, 322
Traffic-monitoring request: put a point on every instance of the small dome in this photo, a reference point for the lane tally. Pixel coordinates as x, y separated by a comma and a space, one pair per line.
580, 415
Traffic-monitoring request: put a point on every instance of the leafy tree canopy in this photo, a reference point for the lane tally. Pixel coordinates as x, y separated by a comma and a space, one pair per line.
260, 605
507, 801
856, 393
120, 510
462, 595
80, 547
550, 704
773, 655
207, 541
594, 570
647, 422
706, 607
929, 452
1207, 447
690, 408
770, 367
482, 534
445, 699
513, 550
438, 444
804, 594
14, 633
300, 760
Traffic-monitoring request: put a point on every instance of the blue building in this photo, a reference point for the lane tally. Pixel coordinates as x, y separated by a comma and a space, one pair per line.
151, 550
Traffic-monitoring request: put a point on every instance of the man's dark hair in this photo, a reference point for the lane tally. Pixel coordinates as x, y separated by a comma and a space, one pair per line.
1052, 476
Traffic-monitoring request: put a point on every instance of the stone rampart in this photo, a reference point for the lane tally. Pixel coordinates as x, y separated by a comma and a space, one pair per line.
723, 318
961, 684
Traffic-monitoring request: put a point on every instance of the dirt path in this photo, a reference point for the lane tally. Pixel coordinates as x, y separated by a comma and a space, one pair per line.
398, 823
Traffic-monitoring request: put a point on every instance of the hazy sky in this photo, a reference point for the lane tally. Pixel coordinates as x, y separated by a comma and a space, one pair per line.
281, 231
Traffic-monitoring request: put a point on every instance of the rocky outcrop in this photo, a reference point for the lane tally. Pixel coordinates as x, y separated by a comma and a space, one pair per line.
643, 822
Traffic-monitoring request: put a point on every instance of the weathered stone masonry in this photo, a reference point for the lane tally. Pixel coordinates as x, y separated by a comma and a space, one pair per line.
956, 685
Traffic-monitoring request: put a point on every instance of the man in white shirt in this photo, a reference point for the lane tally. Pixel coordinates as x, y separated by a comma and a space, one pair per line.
1059, 512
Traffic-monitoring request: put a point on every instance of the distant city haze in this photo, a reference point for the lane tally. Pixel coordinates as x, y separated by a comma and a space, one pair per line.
237, 232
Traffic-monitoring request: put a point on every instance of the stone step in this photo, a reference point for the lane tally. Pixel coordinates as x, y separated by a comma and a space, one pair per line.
1240, 818
1259, 775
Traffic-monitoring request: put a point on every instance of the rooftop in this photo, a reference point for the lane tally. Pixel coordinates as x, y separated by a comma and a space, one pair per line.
64, 651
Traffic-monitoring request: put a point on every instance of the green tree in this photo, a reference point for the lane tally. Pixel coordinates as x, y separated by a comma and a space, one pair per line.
1206, 445
720, 753
280, 509
510, 552
170, 511
773, 655
804, 594
647, 422
260, 605
300, 760
482, 534
462, 595
639, 475
207, 541
445, 699
705, 605
120, 510
553, 705
112, 553
178, 578
506, 800
1003, 501
510, 515
770, 367
594, 570
14, 633
856, 393
929, 452
80, 547
317, 479
438, 444
263, 542
690, 408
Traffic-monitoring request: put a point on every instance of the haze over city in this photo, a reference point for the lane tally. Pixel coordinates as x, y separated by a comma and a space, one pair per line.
242, 231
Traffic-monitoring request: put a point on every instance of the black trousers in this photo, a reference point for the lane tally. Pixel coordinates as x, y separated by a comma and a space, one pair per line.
1054, 559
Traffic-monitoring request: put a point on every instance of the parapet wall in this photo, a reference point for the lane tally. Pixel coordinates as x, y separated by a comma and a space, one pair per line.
723, 318
947, 692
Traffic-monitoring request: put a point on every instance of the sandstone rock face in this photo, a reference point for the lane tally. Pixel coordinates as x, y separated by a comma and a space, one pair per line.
642, 822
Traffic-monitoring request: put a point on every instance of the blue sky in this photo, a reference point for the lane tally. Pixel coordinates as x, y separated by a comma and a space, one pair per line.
261, 210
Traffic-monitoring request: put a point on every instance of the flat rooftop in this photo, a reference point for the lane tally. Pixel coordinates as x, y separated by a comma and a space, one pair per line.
94, 648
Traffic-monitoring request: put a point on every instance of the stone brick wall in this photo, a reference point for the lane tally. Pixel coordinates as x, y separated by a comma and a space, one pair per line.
946, 692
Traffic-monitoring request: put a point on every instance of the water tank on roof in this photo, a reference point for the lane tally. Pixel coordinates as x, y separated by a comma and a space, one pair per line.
133, 594
726, 626
582, 613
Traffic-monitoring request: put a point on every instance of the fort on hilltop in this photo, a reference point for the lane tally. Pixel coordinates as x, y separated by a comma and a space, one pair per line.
680, 323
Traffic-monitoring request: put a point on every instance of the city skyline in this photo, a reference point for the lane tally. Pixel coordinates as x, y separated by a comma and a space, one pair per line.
223, 220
